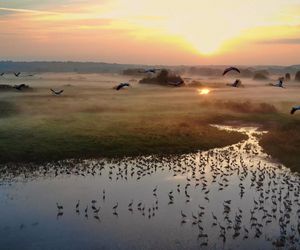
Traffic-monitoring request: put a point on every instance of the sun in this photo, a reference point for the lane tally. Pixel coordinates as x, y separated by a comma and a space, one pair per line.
203, 91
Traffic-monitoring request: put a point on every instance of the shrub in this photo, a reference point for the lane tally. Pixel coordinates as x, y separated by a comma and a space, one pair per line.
297, 76
164, 78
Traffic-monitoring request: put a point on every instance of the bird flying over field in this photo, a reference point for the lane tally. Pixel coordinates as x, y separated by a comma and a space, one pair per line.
231, 69
57, 92
176, 84
20, 86
17, 74
294, 109
149, 71
122, 85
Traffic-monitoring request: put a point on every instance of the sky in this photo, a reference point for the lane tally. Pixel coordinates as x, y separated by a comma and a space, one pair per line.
173, 32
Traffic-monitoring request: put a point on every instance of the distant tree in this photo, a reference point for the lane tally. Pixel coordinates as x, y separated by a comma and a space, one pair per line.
297, 76
260, 76
164, 78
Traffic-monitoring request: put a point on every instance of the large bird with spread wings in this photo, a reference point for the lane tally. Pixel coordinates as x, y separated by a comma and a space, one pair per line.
294, 109
231, 69
57, 92
122, 85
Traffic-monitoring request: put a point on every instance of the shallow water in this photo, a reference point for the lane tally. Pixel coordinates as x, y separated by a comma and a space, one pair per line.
229, 198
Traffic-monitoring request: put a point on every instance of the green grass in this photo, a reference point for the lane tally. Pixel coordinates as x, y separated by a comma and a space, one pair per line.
44, 139
283, 143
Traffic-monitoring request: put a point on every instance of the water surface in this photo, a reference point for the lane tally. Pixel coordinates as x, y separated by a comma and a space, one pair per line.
234, 197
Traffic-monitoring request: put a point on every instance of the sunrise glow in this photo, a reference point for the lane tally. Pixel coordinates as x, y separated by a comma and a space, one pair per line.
203, 91
153, 32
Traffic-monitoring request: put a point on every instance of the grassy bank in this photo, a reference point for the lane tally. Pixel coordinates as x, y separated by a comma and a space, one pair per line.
283, 143
86, 135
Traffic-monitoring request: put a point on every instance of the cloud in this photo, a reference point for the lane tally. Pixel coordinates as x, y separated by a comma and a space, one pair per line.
281, 41
13, 10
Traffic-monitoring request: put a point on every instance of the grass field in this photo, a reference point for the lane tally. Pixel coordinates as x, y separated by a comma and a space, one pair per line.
92, 120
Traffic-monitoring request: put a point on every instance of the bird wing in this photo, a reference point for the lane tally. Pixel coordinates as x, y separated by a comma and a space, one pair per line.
230, 69
293, 111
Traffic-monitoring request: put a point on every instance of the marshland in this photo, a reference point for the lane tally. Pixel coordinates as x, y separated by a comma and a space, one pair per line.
148, 166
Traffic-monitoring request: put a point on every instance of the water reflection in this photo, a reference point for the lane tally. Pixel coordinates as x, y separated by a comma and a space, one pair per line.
228, 198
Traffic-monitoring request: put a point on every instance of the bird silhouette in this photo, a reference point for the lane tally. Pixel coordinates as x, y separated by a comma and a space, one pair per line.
57, 92
149, 70
231, 69
20, 86
294, 109
122, 85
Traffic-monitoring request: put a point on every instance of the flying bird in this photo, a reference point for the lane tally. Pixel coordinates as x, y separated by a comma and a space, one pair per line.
122, 85
231, 69
149, 71
1, 74
57, 92
20, 86
17, 74
294, 109
176, 84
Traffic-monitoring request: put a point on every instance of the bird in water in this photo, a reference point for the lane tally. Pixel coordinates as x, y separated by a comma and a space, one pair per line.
294, 109
57, 92
115, 206
59, 207
231, 69
122, 85
77, 205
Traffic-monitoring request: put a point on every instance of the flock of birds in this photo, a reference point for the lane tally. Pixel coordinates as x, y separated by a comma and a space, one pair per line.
259, 201
279, 84
120, 86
